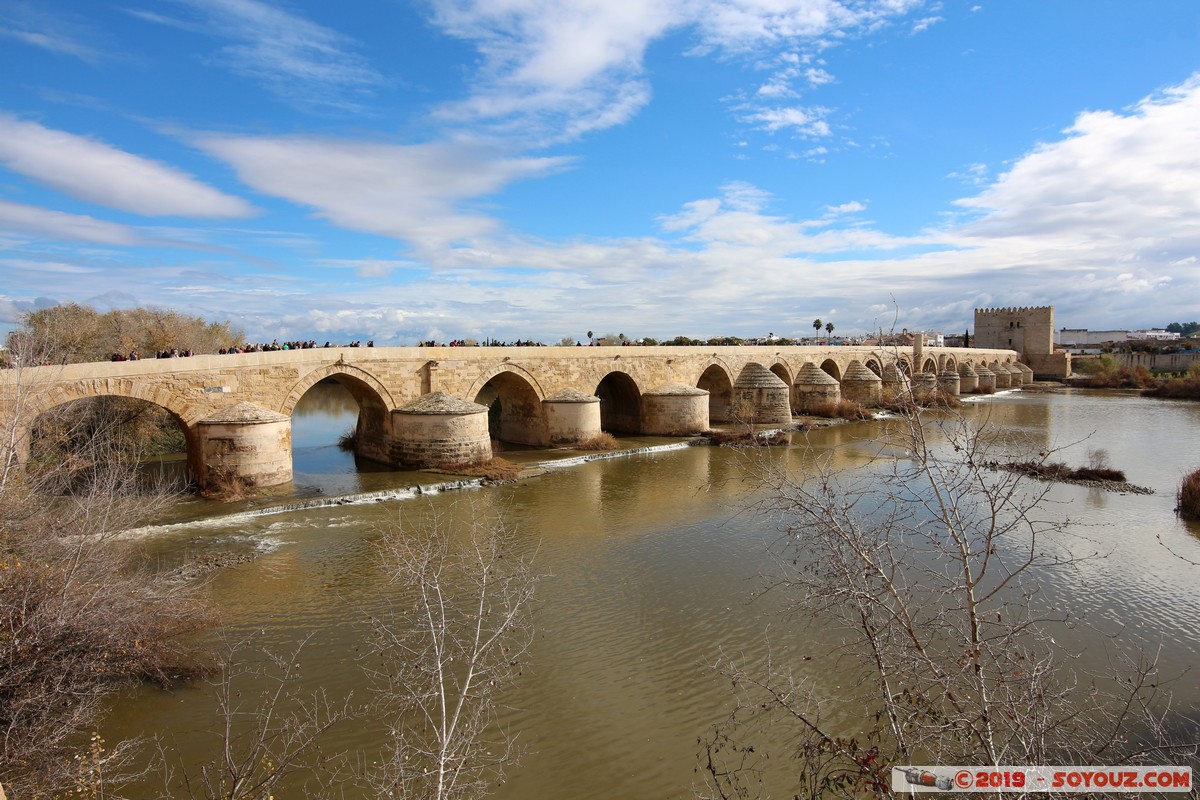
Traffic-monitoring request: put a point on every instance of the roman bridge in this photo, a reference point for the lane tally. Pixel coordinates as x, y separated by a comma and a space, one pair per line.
422, 407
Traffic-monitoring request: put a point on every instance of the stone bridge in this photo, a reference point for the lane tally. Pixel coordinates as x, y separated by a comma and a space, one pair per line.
422, 407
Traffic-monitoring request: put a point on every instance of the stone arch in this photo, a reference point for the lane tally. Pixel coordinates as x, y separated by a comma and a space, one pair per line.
52, 397
517, 370
515, 413
929, 365
620, 403
58, 399
356, 380
873, 363
716, 381
832, 369
372, 432
782, 372
949, 363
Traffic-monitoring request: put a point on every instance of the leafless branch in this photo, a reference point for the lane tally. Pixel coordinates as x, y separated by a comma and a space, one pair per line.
454, 640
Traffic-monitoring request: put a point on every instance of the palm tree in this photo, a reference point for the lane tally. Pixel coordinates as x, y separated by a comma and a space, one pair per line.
828, 331
817, 327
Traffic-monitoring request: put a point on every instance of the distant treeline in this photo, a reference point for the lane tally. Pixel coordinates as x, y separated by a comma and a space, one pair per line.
73, 333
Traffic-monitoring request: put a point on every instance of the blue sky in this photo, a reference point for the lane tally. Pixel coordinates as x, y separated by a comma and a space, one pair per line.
404, 170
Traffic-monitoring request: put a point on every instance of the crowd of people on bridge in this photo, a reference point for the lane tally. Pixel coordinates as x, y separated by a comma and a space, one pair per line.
133, 355
275, 345
485, 343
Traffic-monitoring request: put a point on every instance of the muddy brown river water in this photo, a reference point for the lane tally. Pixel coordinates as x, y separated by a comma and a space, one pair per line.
650, 564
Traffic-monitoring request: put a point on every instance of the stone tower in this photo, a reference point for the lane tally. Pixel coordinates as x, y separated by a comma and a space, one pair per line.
1029, 331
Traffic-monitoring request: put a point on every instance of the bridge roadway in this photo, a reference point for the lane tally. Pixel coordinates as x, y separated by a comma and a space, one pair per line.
422, 407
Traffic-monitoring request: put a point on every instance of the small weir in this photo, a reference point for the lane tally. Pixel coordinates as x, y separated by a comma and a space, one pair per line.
399, 494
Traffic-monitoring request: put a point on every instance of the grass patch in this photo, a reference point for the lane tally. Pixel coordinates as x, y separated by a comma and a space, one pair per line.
348, 441
910, 403
601, 441
747, 438
901, 404
941, 399
1189, 496
496, 471
225, 487
1061, 472
840, 409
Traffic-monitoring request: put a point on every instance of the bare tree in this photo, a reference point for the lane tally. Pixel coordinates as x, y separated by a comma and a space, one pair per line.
74, 333
268, 733
81, 615
446, 653
929, 565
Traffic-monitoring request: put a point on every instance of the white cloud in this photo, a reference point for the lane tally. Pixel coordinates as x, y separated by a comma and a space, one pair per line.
973, 174
804, 121
306, 63
853, 207
560, 68
572, 66
349, 320
1121, 192
780, 84
370, 267
777, 86
59, 225
58, 32
817, 76
99, 173
53, 42
52, 267
926, 23
1118, 186
744, 25
417, 193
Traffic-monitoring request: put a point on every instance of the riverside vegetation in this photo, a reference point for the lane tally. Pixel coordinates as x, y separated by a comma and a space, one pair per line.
80, 618
1104, 373
1189, 496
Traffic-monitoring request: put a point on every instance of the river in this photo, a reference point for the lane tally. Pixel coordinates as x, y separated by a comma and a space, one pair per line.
650, 564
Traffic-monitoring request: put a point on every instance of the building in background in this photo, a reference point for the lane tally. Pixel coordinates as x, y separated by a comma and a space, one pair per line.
1082, 341
1029, 331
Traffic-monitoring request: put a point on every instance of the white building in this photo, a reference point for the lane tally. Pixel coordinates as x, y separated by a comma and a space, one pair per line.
1081, 340
1158, 336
